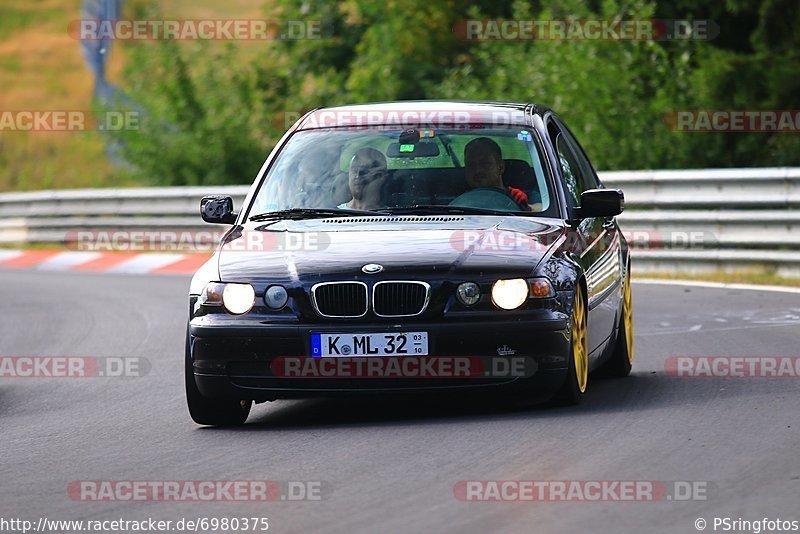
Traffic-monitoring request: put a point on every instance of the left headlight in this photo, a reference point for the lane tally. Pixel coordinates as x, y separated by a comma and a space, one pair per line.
510, 294
236, 298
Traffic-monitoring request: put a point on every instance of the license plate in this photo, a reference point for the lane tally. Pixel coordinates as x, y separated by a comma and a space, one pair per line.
382, 344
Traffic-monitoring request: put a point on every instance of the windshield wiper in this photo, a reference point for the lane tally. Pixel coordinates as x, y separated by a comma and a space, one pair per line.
439, 209
309, 213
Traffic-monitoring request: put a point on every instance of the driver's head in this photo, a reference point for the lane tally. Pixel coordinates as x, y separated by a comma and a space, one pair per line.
484, 163
368, 172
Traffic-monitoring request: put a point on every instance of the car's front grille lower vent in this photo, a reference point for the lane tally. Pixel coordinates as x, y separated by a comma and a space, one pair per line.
415, 219
340, 299
400, 299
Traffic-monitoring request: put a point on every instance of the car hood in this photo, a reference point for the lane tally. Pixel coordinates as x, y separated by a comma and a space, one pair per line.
405, 246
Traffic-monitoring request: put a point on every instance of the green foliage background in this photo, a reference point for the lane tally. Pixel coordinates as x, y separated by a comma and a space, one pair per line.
214, 111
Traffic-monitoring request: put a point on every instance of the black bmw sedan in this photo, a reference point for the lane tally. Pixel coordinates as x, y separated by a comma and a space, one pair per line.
412, 248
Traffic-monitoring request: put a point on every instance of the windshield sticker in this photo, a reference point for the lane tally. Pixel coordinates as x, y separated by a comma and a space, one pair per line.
426, 133
524, 135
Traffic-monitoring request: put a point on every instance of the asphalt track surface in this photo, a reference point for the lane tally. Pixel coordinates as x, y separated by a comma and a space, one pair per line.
391, 465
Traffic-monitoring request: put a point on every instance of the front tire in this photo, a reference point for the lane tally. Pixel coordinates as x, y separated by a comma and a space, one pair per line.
574, 387
208, 411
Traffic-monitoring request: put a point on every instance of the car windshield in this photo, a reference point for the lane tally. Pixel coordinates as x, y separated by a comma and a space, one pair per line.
400, 170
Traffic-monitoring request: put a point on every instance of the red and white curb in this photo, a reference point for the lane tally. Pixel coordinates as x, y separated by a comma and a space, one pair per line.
111, 262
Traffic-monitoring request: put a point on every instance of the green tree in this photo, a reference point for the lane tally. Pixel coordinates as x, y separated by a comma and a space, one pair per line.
213, 112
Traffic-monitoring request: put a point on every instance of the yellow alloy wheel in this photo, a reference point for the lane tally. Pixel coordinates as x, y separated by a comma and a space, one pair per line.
580, 351
627, 317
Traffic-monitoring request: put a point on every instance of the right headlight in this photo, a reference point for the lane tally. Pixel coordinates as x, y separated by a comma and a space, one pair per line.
236, 298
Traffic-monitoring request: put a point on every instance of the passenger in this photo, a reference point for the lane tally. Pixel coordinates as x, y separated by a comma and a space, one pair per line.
368, 172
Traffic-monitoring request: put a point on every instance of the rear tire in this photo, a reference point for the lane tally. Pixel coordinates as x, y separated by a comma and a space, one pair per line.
620, 363
208, 411
574, 388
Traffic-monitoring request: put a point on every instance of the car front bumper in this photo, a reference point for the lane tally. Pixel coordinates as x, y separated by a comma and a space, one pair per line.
235, 356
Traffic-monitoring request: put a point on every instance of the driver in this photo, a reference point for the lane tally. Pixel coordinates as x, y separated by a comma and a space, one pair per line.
368, 172
484, 167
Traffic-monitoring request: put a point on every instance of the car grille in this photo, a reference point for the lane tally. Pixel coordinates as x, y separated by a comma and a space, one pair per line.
400, 299
340, 299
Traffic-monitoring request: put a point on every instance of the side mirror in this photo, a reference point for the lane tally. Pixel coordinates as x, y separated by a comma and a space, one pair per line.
217, 209
601, 203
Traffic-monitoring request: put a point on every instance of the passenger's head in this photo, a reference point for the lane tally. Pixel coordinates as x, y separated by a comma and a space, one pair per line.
367, 175
313, 167
484, 163
315, 172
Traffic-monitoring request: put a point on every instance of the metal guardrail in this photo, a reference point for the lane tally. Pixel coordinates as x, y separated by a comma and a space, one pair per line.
676, 220
53, 216
713, 219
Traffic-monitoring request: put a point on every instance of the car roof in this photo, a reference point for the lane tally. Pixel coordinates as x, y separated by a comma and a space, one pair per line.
425, 111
